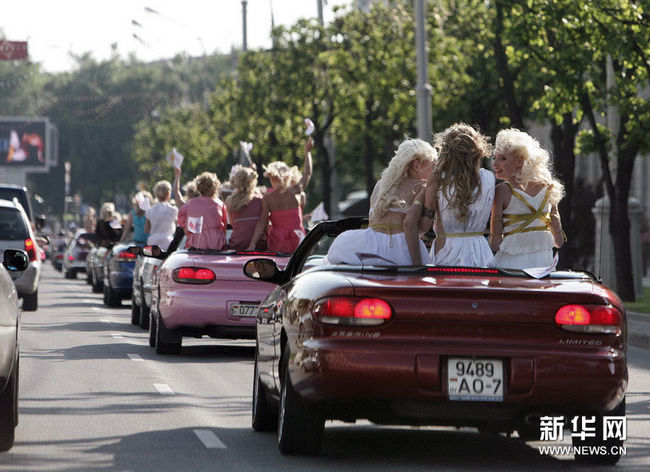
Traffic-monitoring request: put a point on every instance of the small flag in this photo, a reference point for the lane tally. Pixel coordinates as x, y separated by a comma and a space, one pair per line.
175, 158
194, 224
310, 127
143, 201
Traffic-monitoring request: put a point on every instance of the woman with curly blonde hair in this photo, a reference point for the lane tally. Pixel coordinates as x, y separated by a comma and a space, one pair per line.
244, 208
204, 218
461, 192
283, 205
384, 241
525, 228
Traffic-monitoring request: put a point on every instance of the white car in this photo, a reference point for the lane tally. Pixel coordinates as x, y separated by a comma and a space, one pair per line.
16, 233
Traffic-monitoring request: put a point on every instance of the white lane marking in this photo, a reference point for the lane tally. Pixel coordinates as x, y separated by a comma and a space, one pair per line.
135, 357
105, 321
96, 309
117, 336
164, 389
209, 439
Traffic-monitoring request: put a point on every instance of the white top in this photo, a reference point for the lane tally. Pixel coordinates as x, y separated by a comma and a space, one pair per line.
526, 249
471, 251
162, 216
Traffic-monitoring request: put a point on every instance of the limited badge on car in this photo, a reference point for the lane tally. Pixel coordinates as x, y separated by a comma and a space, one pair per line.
475, 379
243, 309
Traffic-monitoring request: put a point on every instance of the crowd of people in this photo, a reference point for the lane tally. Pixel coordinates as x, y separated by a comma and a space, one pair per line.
443, 186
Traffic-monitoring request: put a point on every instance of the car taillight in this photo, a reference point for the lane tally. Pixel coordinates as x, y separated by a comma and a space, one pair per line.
193, 275
463, 271
30, 249
352, 311
71, 258
589, 319
125, 256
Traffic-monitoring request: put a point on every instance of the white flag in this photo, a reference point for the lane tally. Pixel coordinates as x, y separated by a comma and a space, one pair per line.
194, 224
143, 201
175, 158
310, 127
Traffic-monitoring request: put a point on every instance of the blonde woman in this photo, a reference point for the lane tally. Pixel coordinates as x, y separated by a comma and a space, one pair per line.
204, 218
462, 193
244, 208
283, 205
525, 220
161, 217
384, 241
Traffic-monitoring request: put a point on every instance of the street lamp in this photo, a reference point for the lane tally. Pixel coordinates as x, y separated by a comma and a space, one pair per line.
423, 88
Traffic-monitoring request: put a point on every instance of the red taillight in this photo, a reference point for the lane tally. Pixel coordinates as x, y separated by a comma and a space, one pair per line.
589, 319
193, 275
71, 258
30, 249
59, 256
352, 311
125, 256
463, 270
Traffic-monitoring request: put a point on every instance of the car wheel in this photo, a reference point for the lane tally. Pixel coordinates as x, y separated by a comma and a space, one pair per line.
167, 342
70, 274
113, 300
89, 277
135, 312
153, 326
97, 285
30, 302
144, 312
9, 410
529, 431
611, 446
264, 418
300, 427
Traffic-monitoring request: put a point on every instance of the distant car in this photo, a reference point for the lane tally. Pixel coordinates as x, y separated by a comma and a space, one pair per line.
16, 233
118, 267
74, 258
201, 292
14, 261
9, 192
429, 345
95, 267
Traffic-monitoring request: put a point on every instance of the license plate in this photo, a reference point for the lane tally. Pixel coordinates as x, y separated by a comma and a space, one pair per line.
475, 379
243, 309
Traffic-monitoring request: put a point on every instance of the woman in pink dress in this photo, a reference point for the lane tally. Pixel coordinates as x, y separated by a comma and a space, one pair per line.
204, 218
244, 209
283, 205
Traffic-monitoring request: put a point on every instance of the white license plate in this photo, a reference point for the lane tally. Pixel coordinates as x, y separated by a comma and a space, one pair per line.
243, 310
475, 379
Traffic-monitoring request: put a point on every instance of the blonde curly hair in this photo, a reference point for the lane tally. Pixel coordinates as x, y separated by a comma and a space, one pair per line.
207, 184
162, 190
244, 183
396, 171
456, 177
286, 176
536, 166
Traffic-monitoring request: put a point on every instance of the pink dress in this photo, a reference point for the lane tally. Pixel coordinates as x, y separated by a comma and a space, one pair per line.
204, 220
243, 226
286, 230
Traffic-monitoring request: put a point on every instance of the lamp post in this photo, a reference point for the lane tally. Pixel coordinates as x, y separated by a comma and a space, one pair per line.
244, 3
423, 88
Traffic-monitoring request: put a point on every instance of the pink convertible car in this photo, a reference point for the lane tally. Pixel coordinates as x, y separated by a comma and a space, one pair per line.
201, 292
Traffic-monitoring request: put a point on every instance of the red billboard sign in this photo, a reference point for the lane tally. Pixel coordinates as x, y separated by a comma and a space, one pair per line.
13, 50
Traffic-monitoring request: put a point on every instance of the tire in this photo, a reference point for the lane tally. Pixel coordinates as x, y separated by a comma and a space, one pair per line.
135, 312
152, 330
167, 342
30, 302
612, 445
529, 431
9, 410
263, 417
300, 426
70, 274
113, 300
144, 312
89, 277
98, 287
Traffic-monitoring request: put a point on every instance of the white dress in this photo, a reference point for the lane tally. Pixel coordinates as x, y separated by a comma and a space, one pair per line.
466, 244
162, 216
531, 248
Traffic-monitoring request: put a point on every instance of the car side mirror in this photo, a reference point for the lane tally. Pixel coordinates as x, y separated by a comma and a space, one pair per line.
153, 251
15, 260
262, 269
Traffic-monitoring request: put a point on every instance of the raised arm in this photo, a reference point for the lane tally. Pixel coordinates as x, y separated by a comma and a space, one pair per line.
307, 170
176, 187
559, 238
261, 225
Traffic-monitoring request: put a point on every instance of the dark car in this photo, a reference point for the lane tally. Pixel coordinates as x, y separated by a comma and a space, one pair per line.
118, 267
14, 261
426, 345
74, 258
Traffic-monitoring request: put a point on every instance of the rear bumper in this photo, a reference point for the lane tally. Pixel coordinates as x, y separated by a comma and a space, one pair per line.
27, 283
407, 384
121, 277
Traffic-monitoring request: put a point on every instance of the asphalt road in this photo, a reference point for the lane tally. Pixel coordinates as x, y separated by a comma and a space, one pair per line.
94, 396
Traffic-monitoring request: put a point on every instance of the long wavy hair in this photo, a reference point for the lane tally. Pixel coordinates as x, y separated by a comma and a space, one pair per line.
461, 148
537, 166
286, 176
244, 182
395, 173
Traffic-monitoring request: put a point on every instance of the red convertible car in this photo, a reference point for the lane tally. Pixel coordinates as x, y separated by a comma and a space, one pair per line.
425, 345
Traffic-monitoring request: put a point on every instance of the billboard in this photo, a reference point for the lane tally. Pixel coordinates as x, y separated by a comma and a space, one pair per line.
13, 50
24, 143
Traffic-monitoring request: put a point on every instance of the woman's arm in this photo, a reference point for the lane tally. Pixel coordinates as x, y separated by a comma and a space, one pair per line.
147, 226
411, 225
496, 220
261, 225
127, 227
176, 186
559, 238
307, 170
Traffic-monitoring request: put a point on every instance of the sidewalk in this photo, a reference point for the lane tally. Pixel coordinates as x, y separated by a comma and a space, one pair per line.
638, 325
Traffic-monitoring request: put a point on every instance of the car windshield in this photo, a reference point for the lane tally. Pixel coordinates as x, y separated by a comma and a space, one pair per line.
12, 225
